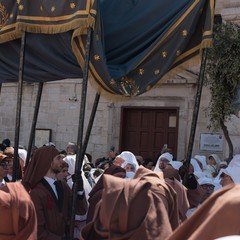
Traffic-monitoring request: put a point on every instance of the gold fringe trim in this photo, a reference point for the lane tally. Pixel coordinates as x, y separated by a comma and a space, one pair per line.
91, 80
79, 25
10, 36
55, 28
107, 95
79, 53
192, 62
83, 30
195, 61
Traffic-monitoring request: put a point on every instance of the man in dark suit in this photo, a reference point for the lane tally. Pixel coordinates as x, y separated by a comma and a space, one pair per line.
52, 198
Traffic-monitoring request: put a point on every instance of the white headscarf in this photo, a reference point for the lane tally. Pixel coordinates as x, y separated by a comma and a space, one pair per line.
231, 237
165, 155
202, 159
223, 163
129, 158
71, 161
176, 164
195, 165
199, 174
216, 158
235, 161
205, 180
22, 153
233, 170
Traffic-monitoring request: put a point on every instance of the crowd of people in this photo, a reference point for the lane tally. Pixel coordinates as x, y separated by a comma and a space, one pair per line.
119, 196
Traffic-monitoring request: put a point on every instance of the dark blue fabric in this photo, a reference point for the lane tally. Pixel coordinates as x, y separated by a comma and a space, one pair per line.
134, 44
133, 28
47, 58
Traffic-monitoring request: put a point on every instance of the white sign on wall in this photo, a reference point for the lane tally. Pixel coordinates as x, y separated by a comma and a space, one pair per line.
211, 142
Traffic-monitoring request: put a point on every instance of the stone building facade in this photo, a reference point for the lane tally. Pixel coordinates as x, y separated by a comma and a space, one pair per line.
60, 104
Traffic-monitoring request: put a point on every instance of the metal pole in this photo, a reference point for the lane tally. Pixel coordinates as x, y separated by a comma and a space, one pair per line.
19, 105
196, 105
90, 124
80, 127
34, 122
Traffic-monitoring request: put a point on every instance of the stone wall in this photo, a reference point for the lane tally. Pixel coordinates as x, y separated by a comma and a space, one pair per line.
58, 111
229, 9
61, 115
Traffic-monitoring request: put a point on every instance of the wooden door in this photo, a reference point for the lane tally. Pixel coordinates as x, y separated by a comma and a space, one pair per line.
144, 131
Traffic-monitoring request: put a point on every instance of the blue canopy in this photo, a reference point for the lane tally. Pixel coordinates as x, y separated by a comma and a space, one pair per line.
134, 44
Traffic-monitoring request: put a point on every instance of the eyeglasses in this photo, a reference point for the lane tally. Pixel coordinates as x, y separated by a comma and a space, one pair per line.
4, 165
207, 186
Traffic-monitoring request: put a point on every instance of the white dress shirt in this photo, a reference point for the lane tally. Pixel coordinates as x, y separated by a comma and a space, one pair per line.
51, 183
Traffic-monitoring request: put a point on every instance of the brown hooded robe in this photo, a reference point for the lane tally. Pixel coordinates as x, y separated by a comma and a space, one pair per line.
217, 217
133, 209
18, 219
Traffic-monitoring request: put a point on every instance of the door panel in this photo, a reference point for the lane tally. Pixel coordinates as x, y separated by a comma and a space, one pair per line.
144, 131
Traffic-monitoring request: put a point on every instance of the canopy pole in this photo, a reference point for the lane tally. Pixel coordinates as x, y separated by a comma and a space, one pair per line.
79, 160
34, 122
196, 106
18, 110
90, 124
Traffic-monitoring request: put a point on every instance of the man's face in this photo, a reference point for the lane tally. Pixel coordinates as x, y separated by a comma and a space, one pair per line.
225, 179
211, 161
70, 150
208, 189
163, 163
129, 168
3, 169
56, 165
63, 174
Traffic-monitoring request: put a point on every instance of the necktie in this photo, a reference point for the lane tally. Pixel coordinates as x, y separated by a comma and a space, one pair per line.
56, 183
59, 193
